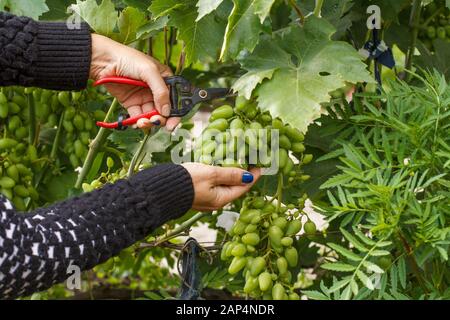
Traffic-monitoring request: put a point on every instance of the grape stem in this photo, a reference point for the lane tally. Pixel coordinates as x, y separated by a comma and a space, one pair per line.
297, 11
137, 154
318, 8
32, 116
414, 21
182, 228
279, 194
95, 146
57, 137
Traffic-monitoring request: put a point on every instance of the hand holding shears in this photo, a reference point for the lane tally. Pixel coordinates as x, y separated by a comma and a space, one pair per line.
183, 98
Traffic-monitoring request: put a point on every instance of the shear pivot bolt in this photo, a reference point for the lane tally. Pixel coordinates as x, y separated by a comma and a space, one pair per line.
203, 94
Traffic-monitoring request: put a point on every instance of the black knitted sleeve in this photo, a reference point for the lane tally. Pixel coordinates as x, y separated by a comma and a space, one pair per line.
43, 54
36, 248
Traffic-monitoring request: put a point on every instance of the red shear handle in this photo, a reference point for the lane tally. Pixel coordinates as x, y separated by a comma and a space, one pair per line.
128, 121
121, 80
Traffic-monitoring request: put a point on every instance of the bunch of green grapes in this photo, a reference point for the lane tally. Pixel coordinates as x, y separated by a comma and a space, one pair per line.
437, 17
18, 157
219, 142
78, 123
262, 243
25, 114
262, 247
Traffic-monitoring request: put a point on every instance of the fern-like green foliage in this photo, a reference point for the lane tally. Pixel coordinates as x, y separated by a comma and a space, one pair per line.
391, 197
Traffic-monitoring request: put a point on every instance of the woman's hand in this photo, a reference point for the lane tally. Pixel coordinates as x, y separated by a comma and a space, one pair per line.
214, 187
110, 58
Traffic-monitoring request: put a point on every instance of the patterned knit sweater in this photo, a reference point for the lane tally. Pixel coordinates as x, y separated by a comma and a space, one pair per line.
36, 248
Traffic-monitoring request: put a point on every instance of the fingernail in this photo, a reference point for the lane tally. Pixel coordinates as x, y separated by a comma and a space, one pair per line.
247, 177
156, 123
166, 110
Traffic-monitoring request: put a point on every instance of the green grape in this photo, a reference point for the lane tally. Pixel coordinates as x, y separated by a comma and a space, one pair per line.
291, 256
7, 143
4, 110
78, 122
293, 227
223, 112
310, 228
283, 156
239, 250
247, 215
278, 291
7, 182
275, 235
219, 124
251, 284
280, 222
237, 264
441, 33
265, 281
21, 191
251, 239
251, 227
241, 103
287, 241
298, 147
294, 296
282, 265
258, 265
285, 143
13, 108
13, 172
236, 124
239, 227
64, 99
307, 158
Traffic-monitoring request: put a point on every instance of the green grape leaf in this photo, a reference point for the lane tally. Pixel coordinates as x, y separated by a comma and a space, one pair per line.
161, 8
101, 18
33, 9
205, 7
334, 11
202, 38
244, 26
105, 20
139, 4
151, 28
129, 22
310, 62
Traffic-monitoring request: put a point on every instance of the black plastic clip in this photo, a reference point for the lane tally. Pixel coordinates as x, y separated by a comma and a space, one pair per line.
378, 51
190, 273
120, 119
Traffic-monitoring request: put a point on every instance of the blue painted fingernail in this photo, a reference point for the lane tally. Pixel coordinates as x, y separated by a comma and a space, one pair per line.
157, 122
247, 177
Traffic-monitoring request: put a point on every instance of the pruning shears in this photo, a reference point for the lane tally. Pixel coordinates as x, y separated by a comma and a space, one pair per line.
183, 98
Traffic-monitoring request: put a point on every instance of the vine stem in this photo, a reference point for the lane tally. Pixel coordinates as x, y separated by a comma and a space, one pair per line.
57, 137
95, 146
181, 61
137, 154
32, 116
297, 11
279, 194
318, 8
414, 21
412, 261
180, 229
